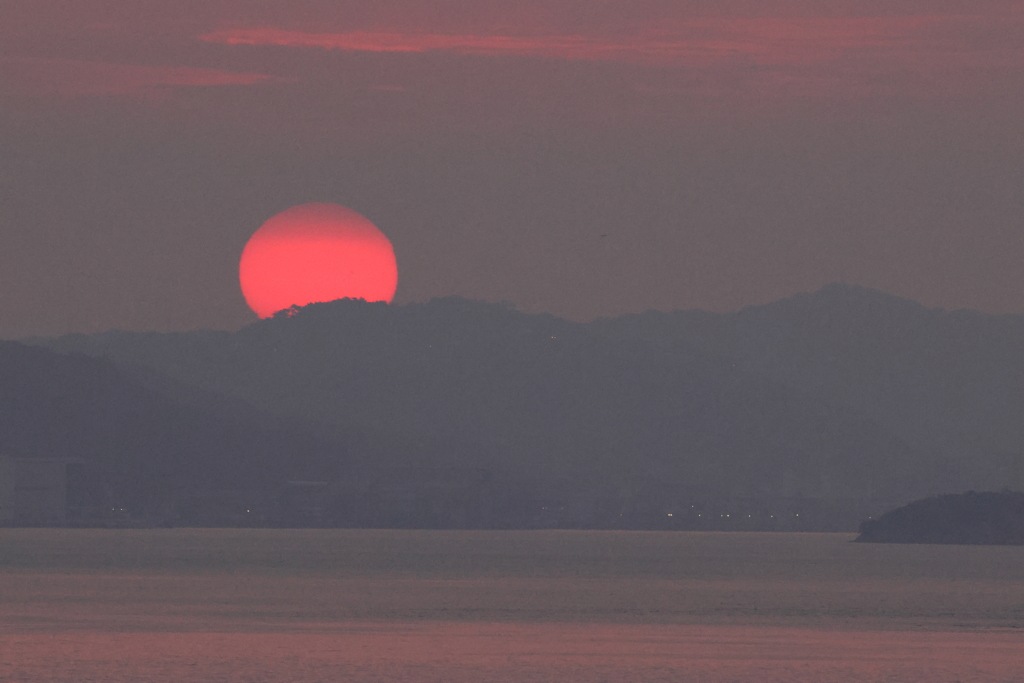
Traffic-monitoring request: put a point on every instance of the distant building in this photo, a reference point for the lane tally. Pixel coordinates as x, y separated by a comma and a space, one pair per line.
34, 491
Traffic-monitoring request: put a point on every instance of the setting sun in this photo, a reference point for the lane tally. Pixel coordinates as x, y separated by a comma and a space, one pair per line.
316, 252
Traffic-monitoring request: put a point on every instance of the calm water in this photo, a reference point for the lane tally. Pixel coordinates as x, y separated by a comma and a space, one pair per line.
346, 605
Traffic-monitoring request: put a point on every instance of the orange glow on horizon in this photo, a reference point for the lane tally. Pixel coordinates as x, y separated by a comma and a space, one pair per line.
316, 252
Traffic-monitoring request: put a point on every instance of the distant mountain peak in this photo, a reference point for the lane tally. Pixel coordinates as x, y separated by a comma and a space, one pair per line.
844, 297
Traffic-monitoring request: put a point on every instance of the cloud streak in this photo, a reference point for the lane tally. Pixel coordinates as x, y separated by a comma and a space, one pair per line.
763, 41
770, 58
70, 79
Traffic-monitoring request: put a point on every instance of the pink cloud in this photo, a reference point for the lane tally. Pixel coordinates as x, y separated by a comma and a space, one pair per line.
739, 53
72, 78
764, 40
767, 57
567, 47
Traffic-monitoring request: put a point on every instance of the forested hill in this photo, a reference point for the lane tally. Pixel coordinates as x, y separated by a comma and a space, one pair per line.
786, 400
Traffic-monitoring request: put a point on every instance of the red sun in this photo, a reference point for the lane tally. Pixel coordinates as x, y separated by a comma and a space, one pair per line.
316, 252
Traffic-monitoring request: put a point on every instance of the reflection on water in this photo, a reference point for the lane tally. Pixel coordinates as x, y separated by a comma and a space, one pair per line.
230, 606
420, 652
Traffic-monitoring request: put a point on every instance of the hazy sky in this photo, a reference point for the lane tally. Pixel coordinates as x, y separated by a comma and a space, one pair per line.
583, 158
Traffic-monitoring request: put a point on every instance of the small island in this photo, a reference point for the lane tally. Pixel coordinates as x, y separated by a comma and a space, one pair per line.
972, 518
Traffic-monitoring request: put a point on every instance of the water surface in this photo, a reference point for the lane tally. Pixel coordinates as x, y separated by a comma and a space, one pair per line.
356, 605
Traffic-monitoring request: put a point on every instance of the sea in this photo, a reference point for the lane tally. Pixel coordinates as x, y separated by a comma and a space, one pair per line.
296, 606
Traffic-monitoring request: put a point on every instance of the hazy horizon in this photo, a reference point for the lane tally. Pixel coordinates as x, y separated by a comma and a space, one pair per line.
829, 286
681, 294
580, 159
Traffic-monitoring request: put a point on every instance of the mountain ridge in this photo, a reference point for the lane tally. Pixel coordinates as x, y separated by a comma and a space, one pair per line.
559, 397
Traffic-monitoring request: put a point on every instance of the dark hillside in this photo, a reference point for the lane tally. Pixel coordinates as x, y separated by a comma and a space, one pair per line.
985, 518
948, 382
145, 452
533, 396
